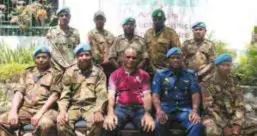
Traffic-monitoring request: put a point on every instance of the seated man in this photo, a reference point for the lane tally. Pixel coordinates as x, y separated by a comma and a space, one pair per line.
222, 101
34, 98
84, 93
129, 97
176, 96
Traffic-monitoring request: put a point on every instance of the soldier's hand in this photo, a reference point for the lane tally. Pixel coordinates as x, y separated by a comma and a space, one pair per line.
194, 117
62, 118
13, 119
147, 122
236, 130
35, 119
161, 116
98, 117
110, 122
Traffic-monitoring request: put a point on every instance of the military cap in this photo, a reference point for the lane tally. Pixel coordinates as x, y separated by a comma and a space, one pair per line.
223, 58
99, 13
41, 49
81, 48
128, 20
173, 51
199, 24
158, 13
64, 9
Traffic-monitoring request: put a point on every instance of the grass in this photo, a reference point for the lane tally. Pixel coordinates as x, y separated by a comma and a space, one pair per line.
14, 61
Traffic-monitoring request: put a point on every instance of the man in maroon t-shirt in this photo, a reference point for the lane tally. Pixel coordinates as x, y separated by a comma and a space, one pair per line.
129, 97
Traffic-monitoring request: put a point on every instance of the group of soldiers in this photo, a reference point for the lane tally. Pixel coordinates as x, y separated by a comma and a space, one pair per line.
152, 82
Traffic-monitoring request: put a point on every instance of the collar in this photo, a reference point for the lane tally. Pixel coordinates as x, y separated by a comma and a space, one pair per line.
98, 32
127, 73
160, 32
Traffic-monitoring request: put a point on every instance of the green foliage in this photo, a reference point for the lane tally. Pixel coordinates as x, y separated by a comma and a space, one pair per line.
221, 47
247, 67
8, 71
20, 55
14, 61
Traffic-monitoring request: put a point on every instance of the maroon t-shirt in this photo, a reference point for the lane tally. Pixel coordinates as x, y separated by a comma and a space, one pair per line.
129, 87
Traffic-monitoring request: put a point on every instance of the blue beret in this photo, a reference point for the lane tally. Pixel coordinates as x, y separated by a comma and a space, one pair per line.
41, 49
173, 51
81, 48
223, 58
64, 9
199, 24
128, 20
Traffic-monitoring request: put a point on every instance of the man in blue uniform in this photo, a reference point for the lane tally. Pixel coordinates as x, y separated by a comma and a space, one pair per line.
176, 96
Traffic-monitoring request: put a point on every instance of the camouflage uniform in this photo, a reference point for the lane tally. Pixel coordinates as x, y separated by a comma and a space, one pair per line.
83, 94
36, 88
100, 43
121, 43
158, 44
223, 104
63, 44
198, 56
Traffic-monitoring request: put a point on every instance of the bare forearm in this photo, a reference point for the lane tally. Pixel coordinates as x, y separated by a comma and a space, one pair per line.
50, 101
196, 101
147, 100
111, 103
16, 101
205, 69
156, 101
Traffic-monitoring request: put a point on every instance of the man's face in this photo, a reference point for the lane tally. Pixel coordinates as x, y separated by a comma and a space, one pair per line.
158, 22
99, 21
64, 18
224, 68
130, 59
199, 33
84, 59
42, 60
175, 61
129, 28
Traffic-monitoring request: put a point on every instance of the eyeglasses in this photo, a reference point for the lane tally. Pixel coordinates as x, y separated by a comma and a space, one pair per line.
131, 57
62, 15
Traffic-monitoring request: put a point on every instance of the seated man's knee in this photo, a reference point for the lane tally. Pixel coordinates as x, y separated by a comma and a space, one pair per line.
46, 123
211, 129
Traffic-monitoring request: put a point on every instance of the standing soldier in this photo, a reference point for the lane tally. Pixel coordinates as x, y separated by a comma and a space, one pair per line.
84, 93
176, 96
63, 39
34, 98
199, 52
223, 101
128, 39
159, 40
101, 41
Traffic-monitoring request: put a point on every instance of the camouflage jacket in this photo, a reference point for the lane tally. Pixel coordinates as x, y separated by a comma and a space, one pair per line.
100, 43
223, 100
63, 44
85, 90
37, 87
159, 44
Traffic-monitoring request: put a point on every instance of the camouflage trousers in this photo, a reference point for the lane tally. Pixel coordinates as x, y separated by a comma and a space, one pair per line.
75, 115
248, 128
46, 125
